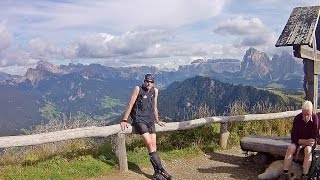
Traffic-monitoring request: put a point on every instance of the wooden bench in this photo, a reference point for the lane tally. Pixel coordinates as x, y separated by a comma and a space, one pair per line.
276, 146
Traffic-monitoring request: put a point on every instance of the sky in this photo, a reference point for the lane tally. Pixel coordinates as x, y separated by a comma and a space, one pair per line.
164, 34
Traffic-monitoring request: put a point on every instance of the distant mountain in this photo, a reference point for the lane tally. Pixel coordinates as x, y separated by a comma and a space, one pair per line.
19, 108
42, 72
255, 64
201, 66
179, 100
285, 66
255, 69
258, 70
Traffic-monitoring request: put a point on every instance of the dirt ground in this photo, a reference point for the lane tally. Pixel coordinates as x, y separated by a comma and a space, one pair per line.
224, 164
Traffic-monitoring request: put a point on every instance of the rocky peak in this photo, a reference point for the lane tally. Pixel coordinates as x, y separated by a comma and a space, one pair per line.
42, 71
46, 66
255, 63
285, 64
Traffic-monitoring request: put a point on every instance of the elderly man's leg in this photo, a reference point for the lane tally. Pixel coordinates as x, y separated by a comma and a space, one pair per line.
307, 160
289, 156
288, 160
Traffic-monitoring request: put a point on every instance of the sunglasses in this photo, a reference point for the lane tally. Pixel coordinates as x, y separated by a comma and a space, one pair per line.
149, 81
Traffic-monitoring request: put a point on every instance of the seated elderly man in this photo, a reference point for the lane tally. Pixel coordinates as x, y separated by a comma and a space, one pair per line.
303, 135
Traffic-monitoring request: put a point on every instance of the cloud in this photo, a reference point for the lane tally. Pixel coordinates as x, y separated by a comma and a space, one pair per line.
35, 50
43, 50
257, 40
241, 26
136, 46
5, 37
16, 57
121, 15
132, 43
11, 55
247, 32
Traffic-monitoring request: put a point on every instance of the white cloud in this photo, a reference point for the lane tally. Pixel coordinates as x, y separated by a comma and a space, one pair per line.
5, 36
121, 15
103, 45
16, 57
42, 49
241, 26
247, 32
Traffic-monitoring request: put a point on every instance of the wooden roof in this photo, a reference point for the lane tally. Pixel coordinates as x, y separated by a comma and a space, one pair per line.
300, 27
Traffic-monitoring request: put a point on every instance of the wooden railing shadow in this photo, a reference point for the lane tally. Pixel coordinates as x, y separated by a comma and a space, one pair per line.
235, 166
36, 139
135, 168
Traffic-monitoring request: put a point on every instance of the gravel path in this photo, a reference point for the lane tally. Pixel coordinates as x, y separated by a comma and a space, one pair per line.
224, 164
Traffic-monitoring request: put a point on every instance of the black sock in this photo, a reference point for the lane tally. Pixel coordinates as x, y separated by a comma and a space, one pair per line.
285, 171
155, 160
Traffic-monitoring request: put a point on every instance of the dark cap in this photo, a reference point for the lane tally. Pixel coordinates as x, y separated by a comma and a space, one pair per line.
149, 77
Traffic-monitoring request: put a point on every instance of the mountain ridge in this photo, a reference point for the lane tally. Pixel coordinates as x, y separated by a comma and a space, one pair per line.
255, 69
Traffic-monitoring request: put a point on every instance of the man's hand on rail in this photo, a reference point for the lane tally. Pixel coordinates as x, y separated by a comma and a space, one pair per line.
161, 123
123, 125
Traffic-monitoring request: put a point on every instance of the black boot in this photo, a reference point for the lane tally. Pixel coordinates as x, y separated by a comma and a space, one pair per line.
165, 174
156, 173
158, 168
158, 176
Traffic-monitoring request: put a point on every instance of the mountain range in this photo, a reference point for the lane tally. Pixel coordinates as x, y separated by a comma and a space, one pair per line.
101, 93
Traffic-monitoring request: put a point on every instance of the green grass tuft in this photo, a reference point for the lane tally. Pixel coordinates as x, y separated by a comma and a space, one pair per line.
57, 168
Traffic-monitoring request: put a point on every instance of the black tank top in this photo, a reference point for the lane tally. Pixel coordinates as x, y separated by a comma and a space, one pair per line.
143, 108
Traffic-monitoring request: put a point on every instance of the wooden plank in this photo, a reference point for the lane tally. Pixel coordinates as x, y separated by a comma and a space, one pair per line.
300, 27
267, 145
305, 52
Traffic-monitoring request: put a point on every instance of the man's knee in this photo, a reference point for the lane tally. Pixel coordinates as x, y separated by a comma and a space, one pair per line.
308, 152
291, 149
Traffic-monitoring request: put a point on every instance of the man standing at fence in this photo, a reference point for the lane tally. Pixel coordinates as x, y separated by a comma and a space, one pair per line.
143, 111
303, 136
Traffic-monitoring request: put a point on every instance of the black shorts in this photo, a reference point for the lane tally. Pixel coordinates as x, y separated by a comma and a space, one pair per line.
142, 128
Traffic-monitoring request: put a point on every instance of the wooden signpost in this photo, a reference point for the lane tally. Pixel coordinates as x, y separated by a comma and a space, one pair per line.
302, 31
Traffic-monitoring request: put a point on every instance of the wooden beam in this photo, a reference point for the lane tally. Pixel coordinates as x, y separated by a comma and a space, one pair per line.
305, 52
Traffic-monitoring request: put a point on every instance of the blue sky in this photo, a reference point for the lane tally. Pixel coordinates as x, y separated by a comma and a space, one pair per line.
164, 33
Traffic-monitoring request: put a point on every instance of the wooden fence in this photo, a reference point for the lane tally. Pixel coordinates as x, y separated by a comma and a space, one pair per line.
36, 139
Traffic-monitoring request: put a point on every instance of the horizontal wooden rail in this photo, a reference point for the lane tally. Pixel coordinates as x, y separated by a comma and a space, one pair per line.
224, 119
36, 139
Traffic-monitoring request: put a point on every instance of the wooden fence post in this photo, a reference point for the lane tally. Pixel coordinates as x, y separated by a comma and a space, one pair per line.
224, 135
121, 152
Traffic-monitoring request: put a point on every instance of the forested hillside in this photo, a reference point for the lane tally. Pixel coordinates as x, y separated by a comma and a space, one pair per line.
182, 100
